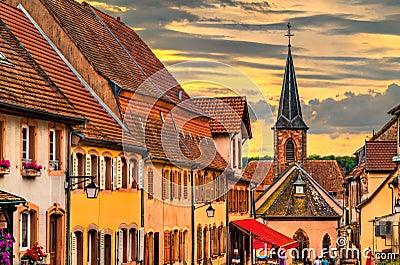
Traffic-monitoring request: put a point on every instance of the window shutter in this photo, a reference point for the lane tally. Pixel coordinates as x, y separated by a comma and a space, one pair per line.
147, 251
119, 246
167, 247
140, 256
88, 168
74, 170
73, 249
119, 172
140, 176
164, 185
180, 245
185, 185
150, 183
102, 247
114, 174
102, 173
179, 185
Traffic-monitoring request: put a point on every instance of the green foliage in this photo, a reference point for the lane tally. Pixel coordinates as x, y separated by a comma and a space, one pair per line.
246, 160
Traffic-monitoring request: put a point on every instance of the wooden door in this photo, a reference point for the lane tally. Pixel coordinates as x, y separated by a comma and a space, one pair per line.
55, 247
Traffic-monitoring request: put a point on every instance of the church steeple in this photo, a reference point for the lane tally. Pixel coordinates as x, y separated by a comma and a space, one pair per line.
289, 113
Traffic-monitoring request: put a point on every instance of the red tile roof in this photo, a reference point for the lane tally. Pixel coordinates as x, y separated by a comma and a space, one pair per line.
259, 171
23, 84
101, 125
227, 113
379, 155
327, 173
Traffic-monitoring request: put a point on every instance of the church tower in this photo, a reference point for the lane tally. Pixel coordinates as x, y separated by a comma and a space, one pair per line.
290, 130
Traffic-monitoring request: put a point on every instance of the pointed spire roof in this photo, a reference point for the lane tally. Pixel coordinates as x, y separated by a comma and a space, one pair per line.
289, 113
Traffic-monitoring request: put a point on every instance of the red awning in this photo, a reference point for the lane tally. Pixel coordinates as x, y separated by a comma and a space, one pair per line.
264, 234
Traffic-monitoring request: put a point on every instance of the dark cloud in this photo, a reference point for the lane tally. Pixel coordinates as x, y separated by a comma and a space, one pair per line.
352, 114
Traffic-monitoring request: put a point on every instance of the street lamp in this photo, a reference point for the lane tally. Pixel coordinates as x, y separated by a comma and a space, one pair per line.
92, 189
210, 210
397, 206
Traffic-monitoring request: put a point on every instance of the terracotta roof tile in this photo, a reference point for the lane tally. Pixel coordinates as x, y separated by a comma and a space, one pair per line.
227, 113
327, 173
379, 155
24, 84
101, 125
258, 171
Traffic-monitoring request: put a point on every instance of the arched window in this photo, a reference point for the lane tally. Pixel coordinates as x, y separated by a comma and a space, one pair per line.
206, 242
289, 151
302, 243
92, 247
326, 243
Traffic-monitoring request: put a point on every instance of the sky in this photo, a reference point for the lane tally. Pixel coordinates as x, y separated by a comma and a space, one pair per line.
346, 56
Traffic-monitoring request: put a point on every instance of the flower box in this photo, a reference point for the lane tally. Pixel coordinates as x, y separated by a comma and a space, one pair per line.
31, 173
4, 171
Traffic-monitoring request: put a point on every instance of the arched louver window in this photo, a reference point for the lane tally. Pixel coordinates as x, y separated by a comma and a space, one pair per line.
290, 151
326, 243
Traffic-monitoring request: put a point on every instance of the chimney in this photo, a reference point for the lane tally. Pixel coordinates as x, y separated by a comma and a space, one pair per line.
118, 19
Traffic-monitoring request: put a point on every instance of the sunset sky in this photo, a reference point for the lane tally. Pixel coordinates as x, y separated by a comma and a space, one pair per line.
346, 55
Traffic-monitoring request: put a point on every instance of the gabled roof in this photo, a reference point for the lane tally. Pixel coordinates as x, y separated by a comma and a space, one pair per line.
289, 112
101, 126
387, 132
227, 114
379, 155
25, 89
327, 173
395, 110
283, 203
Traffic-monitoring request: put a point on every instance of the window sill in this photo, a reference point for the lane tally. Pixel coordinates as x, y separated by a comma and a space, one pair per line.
56, 172
131, 190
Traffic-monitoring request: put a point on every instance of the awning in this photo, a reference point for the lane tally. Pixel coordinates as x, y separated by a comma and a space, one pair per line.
8, 200
263, 234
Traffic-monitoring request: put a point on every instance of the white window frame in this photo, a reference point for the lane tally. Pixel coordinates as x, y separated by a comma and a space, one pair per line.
28, 230
53, 143
26, 157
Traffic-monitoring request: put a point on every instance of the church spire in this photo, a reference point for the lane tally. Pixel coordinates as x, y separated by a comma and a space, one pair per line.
289, 113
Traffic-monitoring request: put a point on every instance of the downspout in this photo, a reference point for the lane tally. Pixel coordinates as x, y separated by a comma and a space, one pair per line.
142, 194
227, 219
68, 195
193, 208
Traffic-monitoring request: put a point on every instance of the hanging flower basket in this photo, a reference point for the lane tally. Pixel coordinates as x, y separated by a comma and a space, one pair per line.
4, 166
31, 169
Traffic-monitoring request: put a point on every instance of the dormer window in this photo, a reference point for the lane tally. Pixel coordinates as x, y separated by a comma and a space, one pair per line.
162, 117
180, 95
299, 185
3, 59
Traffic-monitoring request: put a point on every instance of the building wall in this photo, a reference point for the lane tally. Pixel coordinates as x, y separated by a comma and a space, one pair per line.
110, 211
314, 229
368, 212
42, 192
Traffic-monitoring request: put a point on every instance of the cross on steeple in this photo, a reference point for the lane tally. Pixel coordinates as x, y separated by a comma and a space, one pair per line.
289, 34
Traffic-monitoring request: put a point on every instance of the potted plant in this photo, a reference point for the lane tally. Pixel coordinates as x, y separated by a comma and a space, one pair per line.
31, 169
6, 242
4, 166
33, 255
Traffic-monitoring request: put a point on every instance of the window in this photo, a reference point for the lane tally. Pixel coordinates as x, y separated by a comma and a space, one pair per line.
199, 243
132, 244
326, 243
92, 247
108, 162
81, 169
4, 60
173, 186
214, 240
77, 248
290, 151
2, 135
94, 167
134, 173
125, 174
199, 187
125, 245
302, 243
175, 246
28, 143
55, 149
150, 187
27, 229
